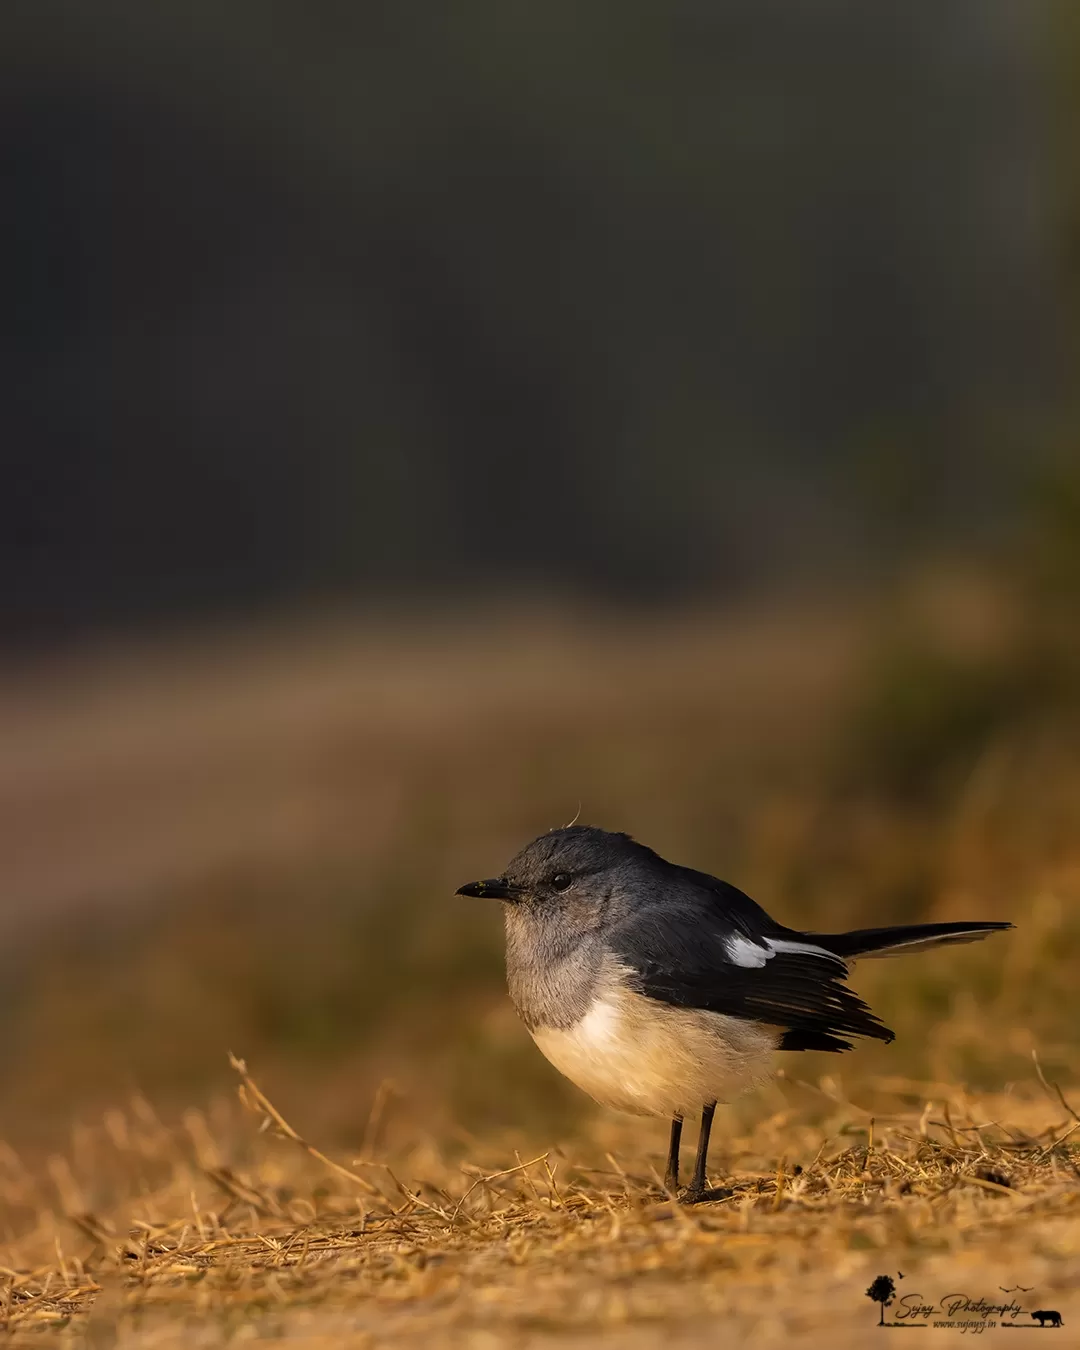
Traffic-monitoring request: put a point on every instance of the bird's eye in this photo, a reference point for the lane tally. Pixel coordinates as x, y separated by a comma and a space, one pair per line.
562, 881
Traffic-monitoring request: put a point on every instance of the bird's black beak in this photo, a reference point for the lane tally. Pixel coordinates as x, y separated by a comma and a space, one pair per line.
496, 888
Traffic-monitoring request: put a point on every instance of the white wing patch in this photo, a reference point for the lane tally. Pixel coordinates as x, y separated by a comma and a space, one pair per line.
753, 955
743, 952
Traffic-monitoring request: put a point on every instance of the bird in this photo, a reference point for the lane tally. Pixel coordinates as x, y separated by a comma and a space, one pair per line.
660, 990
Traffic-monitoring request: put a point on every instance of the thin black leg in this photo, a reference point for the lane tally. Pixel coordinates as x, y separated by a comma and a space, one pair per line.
671, 1176
697, 1185
697, 1189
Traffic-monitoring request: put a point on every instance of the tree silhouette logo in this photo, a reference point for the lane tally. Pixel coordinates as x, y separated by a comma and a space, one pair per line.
882, 1291
958, 1309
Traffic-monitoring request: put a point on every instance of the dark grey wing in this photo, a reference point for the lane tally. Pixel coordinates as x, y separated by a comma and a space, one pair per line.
706, 950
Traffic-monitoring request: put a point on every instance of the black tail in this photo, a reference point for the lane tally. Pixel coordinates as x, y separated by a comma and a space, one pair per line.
907, 938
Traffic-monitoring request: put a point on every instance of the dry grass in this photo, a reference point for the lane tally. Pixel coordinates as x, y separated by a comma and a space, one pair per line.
213, 1230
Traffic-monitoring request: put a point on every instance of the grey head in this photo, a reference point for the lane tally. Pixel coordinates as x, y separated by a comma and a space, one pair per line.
561, 895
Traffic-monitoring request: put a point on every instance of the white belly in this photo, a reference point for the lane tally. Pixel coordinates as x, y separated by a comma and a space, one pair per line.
635, 1054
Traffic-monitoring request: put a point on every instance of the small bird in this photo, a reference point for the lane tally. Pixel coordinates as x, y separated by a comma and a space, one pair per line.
660, 990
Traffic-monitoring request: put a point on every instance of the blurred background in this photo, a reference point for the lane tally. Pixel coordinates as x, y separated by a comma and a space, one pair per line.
426, 424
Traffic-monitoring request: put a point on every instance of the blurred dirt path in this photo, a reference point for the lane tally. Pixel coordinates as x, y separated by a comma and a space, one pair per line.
128, 770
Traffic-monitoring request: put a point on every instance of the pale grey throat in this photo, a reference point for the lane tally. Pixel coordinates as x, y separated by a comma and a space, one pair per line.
553, 969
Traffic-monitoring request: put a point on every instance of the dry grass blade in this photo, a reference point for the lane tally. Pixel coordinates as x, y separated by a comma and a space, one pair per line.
253, 1097
988, 1185
386, 1089
1052, 1088
1056, 1143
494, 1176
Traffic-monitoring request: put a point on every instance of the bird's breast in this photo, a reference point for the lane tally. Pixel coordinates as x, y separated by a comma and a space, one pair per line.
635, 1054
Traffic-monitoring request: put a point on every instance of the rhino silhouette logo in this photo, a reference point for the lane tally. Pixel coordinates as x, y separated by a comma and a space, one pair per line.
1043, 1316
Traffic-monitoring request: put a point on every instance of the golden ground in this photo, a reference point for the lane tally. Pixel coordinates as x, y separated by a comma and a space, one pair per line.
210, 1231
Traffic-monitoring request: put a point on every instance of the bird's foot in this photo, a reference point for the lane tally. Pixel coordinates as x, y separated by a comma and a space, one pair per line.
697, 1195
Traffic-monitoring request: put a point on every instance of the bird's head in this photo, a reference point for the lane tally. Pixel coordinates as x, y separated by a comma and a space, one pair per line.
577, 869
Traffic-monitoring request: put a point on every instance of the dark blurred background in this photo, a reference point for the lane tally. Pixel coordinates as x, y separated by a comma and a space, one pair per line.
636, 300
424, 421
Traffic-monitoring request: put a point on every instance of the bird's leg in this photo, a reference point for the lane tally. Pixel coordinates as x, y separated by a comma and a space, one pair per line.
671, 1176
697, 1190
697, 1184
